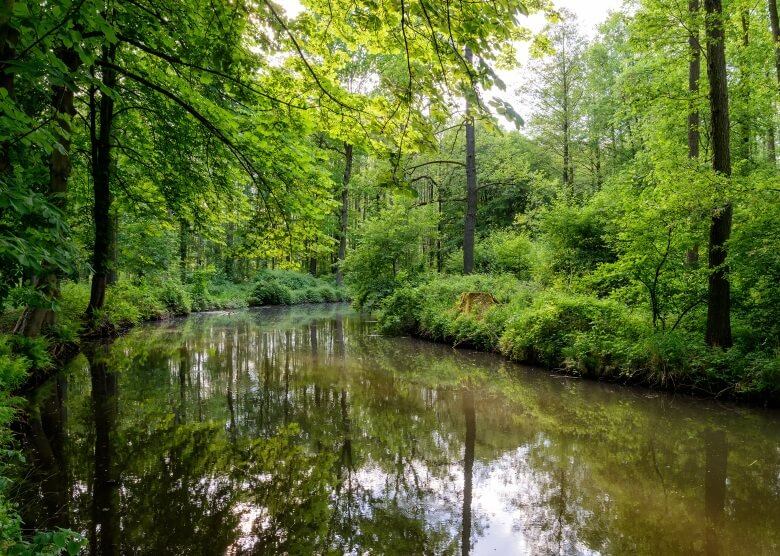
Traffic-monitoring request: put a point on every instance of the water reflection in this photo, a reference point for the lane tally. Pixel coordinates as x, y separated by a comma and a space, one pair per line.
299, 431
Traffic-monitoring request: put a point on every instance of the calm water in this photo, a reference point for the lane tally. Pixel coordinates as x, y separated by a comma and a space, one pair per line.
300, 431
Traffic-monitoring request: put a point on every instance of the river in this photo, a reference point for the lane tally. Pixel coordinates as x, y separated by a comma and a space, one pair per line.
302, 431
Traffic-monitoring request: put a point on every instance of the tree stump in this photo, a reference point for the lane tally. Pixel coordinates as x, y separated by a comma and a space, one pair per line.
476, 303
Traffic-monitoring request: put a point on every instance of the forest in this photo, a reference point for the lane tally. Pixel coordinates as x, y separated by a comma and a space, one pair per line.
165, 157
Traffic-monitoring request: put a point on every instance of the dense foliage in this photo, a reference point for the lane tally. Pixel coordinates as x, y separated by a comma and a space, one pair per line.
158, 158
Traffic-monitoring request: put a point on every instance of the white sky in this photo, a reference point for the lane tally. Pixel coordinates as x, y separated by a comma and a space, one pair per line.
590, 13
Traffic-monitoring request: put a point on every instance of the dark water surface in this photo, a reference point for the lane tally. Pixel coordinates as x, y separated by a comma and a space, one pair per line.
300, 431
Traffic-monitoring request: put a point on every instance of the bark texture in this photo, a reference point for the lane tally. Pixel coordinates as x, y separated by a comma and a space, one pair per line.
719, 290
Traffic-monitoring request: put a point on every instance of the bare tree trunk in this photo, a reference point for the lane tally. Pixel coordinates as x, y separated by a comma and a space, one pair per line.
344, 212
471, 184
719, 294
101, 177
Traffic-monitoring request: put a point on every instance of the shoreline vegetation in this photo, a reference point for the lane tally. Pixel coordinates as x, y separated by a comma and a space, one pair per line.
154, 158
25, 362
577, 335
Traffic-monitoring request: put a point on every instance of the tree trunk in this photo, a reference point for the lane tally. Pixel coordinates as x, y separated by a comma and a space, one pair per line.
775, 23
36, 319
100, 131
719, 294
113, 268
694, 119
471, 184
745, 82
694, 74
344, 212
183, 238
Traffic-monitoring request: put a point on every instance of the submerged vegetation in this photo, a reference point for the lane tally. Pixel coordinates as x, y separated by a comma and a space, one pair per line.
163, 157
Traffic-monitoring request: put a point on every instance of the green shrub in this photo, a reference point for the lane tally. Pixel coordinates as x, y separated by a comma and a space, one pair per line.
199, 288
287, 287
430, 309
270, 292
556, 322
328, 294
128, 304
290, 279
228, 295
174, 297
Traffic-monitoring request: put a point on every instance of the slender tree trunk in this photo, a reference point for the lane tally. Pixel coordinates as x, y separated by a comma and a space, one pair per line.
100, 130
344, 212
566, 177
745, 82
471, 184
775, 23
719, 294
183, 240
694, 74
113, 268
694, 119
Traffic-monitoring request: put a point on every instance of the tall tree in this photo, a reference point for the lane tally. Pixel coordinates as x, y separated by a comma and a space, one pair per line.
694, 74
775, 25
344, 214
471, 179
719, 292
694, 118
558, 91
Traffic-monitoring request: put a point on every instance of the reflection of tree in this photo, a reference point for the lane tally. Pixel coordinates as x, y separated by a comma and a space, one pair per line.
104, 530
44, 433
375, 467
468, 469
716, 461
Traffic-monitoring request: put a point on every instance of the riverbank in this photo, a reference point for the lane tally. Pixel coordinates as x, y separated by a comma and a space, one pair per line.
306, 425
580, 335
25, 362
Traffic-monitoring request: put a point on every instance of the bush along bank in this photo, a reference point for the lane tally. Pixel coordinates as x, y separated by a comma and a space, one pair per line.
285, 287
576, 334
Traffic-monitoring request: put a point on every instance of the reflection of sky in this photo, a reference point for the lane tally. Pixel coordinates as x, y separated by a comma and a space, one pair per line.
525, 470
